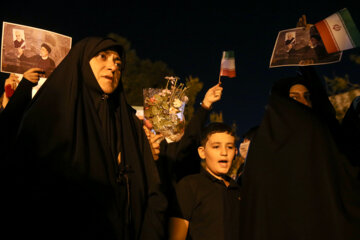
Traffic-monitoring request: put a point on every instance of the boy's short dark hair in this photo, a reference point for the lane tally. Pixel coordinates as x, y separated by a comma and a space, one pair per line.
215, 127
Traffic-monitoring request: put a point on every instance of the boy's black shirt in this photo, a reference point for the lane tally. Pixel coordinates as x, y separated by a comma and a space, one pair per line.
212, 209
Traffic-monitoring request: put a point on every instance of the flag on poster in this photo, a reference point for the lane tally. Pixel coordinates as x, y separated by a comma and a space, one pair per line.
228, 64
339, 32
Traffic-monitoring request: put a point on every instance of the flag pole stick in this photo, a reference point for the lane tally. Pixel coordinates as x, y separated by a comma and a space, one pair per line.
219, 82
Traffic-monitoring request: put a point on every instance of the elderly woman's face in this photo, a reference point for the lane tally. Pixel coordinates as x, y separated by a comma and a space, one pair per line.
106, 66
301, 94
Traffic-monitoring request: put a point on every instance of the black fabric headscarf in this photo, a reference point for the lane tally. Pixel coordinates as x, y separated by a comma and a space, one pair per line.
297, 184
318, 96
68, 146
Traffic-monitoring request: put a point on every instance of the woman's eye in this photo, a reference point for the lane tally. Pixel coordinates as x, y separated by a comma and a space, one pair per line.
102, 56
294, 97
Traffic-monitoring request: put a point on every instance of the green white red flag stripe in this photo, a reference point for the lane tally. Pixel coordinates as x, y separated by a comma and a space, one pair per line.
339, 32
228, 64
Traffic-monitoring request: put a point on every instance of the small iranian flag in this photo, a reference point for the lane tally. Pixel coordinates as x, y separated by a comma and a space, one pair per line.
228, 64
339, 32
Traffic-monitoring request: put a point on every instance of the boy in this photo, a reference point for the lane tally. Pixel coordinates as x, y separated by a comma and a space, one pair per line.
208, 203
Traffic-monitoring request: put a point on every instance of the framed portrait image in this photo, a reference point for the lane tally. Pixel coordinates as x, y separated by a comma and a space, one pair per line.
300, 47
24, 47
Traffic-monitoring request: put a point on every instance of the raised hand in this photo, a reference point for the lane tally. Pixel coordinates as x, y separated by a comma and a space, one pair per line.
212, 95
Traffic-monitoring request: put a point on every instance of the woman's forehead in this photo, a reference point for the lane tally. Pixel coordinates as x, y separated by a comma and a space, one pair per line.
95, 47
111, 52
298, 87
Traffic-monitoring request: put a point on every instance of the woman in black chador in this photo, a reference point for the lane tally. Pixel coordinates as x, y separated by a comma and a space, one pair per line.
298, 182
82, 155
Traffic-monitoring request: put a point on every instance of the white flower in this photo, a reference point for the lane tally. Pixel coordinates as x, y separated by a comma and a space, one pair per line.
185, 99
177, 103
166, 92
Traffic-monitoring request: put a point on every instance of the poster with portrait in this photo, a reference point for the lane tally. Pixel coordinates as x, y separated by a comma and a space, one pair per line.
24, 47
300, 47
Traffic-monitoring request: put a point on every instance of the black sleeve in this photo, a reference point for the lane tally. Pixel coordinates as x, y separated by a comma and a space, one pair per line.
11, 116
1, 106
350, 127
187, 158
20, 99
193, 130
184, 203
320, 101
153, 223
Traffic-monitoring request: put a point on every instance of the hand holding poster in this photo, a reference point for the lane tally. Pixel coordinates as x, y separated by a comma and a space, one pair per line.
24, 48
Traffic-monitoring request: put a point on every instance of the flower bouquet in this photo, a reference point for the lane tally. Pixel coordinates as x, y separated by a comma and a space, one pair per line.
164, 109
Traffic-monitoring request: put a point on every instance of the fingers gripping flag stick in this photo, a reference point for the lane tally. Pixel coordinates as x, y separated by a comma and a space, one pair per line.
227, 65
339, 32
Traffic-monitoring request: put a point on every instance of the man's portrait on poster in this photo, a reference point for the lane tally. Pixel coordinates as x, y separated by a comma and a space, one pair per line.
301, 46
26, 47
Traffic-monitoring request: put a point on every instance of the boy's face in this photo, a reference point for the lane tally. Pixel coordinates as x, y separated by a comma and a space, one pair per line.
218, 153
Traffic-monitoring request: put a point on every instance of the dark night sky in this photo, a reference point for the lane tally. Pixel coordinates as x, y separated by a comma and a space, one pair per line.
190, 38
